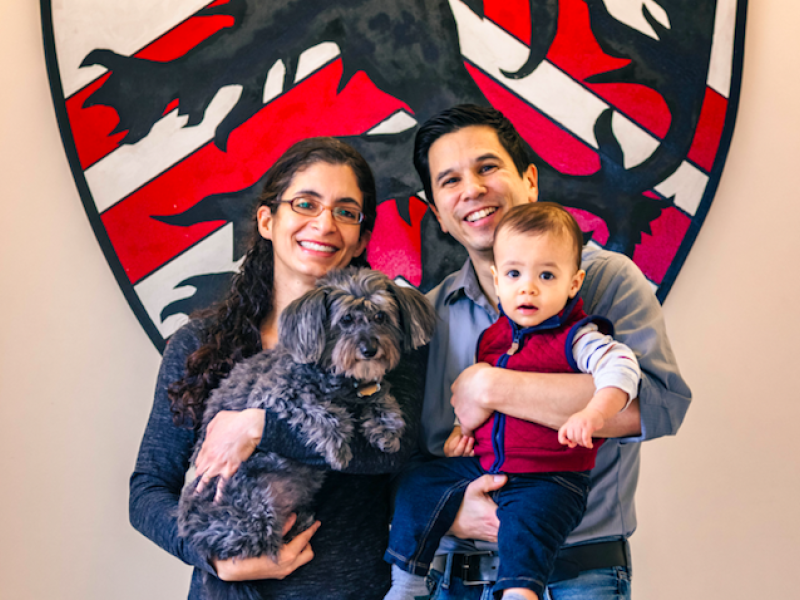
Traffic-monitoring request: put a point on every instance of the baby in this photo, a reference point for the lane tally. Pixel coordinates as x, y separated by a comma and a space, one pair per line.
542, 328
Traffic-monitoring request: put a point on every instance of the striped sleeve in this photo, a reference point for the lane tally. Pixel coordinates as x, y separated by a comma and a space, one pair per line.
611, 363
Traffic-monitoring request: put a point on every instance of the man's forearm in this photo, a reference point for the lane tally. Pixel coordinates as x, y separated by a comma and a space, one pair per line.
551, 398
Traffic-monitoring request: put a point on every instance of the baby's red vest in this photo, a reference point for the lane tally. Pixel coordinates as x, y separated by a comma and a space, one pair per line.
505, 444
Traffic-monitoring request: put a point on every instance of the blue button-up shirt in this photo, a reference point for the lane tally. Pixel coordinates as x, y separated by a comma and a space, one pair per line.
614, 288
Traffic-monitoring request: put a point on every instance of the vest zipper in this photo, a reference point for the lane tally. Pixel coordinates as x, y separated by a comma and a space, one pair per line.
499, 425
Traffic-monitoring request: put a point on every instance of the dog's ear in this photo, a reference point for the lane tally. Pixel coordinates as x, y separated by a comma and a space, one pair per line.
417, 316
301, 328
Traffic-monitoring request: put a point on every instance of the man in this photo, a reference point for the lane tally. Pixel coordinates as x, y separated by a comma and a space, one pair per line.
474, 168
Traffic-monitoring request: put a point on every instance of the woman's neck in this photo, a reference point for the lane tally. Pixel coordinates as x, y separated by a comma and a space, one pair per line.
286, 291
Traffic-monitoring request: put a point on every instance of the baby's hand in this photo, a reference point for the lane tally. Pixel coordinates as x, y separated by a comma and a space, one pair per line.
459, 444
579, 428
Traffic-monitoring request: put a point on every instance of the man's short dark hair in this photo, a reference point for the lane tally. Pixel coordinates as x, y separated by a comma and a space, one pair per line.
543, 217
458, 117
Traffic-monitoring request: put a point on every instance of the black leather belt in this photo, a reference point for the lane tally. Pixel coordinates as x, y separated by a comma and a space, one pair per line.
476, 568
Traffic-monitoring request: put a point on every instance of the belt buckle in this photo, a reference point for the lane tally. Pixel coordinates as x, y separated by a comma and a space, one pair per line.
471, 569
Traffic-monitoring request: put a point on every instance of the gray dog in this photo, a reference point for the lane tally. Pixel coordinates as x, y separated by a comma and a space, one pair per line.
336, 342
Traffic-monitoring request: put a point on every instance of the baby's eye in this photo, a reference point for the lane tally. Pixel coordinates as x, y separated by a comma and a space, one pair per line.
512, 274
379, 317
547, 276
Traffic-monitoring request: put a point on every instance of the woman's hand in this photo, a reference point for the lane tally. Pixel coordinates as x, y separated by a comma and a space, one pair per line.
291, 557
231, 438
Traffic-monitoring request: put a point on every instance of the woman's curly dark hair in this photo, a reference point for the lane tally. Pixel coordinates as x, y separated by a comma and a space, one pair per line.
232, 327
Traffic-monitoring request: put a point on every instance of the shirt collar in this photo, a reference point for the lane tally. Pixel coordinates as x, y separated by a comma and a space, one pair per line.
465, 284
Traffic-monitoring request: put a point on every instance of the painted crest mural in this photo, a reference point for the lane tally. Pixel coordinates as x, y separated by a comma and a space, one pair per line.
171, 113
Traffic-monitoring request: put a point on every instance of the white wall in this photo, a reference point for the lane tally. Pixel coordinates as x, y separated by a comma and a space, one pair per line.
716, 504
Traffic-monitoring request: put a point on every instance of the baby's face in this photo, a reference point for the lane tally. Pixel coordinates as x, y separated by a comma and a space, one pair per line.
534, 275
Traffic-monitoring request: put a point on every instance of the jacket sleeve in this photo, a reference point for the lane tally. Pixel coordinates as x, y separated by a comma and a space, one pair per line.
163, 461
407, 382
616, 289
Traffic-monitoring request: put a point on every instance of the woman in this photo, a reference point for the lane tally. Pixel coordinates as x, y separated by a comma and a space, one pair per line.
316, 214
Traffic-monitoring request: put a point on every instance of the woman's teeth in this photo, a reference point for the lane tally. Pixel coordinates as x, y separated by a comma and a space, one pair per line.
317, 247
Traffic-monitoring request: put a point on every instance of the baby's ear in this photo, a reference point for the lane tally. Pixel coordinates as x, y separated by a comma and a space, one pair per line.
416, 315
301, 328
577, 282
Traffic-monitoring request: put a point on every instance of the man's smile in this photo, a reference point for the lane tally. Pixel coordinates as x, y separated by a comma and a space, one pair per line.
480, 214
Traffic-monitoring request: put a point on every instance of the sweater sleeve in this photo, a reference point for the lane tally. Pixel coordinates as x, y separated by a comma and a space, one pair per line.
163, 460
407, 382
610, 363
616, 289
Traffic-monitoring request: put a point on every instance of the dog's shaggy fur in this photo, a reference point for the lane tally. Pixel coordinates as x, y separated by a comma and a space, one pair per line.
335, 343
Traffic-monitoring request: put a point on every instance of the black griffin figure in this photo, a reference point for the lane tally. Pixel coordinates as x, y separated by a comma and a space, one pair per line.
410, 49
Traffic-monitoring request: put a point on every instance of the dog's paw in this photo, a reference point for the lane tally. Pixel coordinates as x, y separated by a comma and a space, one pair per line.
390, 442
340, 457
384, 438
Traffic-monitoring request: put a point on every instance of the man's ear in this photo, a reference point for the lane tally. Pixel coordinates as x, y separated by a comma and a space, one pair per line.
531, 179
264, 220
496, 280
438, 218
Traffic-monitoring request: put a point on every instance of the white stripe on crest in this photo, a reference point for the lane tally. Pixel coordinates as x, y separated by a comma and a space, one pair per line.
157, 290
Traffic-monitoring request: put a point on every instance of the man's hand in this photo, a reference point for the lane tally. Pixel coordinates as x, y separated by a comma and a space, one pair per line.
477, 517
458, 444
470, 391
291, 557
231, 438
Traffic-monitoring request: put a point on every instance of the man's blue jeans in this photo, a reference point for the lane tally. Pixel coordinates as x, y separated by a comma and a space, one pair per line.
537, 511
600, 584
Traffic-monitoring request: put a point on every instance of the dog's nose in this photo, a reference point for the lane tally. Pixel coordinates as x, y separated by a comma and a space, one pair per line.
368, 349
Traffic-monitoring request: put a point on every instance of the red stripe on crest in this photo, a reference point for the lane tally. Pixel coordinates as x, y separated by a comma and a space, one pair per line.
511, 15
185, 36
91, 126
312, 108
654, 254
576, 52
709, 130
558, 147
395, 247
589, 222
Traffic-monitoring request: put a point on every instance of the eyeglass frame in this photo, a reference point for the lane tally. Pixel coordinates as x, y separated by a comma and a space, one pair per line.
358, 211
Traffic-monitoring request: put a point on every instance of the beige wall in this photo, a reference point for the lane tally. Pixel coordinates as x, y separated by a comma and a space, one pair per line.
718, 504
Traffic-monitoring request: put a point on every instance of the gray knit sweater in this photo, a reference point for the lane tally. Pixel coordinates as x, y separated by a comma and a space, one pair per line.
353, 506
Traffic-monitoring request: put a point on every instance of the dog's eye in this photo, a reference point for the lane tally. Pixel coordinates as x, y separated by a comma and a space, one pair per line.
347, 320
379, 317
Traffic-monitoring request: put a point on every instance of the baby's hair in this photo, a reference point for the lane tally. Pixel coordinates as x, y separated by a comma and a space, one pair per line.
543, 217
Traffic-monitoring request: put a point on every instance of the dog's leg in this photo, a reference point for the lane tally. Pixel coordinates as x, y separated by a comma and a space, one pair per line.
326, 427
382, 422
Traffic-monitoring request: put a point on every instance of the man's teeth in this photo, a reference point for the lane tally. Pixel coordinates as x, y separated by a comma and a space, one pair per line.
317, 247
481, 214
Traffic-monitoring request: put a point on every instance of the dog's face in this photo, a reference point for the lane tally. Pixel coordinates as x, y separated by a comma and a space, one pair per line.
357, 323
365, 337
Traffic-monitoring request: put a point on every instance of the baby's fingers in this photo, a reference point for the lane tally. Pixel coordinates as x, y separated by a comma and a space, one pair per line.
565, 437
470, 448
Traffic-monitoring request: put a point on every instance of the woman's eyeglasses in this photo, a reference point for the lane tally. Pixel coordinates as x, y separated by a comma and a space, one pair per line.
311, 207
